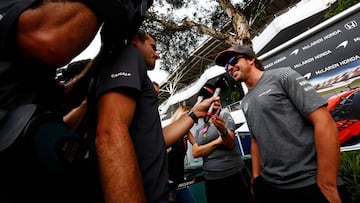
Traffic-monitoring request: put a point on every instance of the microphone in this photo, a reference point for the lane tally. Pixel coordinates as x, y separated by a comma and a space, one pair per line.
205, 92
221, 83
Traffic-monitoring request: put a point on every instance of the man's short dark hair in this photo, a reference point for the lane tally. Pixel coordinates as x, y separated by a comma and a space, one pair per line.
142, 35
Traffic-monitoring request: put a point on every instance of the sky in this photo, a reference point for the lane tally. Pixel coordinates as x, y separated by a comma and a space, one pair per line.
90, 52
157, 75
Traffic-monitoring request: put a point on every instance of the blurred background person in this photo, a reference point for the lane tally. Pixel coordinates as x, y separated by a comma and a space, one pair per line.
176, 159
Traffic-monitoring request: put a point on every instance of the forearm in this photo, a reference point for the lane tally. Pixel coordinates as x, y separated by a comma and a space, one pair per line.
177, 129
227, 135
229, 139
206, 149
328, 152
255, 158
328, 156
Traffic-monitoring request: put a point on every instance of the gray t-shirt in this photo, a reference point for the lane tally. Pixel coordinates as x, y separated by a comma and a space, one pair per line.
276, 110
222, 161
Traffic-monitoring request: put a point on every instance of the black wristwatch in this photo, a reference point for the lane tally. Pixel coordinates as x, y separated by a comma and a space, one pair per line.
193, 116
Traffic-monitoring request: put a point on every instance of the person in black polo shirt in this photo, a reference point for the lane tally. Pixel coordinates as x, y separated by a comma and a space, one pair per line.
36, 38
124, 118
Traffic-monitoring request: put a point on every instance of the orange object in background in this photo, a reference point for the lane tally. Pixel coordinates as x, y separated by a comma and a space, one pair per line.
345, 109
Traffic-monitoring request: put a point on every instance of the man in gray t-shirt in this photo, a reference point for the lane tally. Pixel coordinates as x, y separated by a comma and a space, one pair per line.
295, 148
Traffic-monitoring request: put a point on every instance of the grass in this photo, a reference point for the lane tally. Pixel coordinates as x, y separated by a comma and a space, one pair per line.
350, 168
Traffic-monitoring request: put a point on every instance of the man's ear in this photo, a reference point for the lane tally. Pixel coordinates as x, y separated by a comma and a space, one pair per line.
135, 41
252, 60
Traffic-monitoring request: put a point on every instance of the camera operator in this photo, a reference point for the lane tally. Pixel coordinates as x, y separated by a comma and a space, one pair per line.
36, 38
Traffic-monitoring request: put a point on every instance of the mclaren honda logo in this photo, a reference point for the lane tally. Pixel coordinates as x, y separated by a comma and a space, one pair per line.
350, 25
295, 52
343, 44
307, 76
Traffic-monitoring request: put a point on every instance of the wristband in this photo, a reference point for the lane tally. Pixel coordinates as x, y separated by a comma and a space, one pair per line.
193, 116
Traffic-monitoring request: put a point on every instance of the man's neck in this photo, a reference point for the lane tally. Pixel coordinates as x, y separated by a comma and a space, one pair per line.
255, 76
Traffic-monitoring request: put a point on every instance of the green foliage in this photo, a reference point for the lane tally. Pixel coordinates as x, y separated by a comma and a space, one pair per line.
339, 6
350, 168
177, 40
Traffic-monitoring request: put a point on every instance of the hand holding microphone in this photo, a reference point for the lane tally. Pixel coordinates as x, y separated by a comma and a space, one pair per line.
204, 100
200, 110
221, 83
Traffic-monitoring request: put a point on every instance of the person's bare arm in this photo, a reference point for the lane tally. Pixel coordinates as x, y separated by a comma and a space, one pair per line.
76, 115
55, 32
191, 137
255, 158
118, 165
328, 152
227, 139
175, 130
206, 149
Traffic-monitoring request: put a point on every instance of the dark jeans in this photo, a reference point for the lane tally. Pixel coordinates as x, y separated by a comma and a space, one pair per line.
263, 192
230, 189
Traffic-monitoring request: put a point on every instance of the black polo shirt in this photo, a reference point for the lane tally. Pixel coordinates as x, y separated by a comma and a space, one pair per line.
129, 73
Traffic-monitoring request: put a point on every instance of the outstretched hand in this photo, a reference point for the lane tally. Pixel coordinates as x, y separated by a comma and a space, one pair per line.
201, 109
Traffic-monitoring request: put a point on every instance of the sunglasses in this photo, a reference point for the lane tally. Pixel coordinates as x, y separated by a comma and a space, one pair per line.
233, 60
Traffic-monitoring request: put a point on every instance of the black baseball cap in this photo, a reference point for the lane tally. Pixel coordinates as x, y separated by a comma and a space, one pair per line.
223, 57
